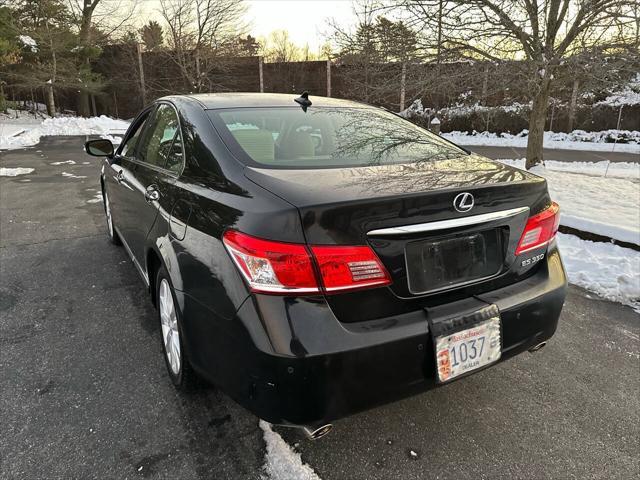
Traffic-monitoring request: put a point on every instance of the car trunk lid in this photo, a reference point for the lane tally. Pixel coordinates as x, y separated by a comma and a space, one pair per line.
394, 209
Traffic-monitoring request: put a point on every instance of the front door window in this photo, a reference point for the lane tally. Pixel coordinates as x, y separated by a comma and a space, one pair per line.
157, 145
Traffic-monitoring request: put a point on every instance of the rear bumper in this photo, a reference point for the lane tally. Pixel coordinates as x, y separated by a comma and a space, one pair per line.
290, 361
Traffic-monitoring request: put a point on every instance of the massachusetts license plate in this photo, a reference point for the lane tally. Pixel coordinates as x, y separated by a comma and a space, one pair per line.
467, 350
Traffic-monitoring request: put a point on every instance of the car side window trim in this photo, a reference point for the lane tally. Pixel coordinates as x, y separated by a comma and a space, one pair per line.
145, 132
133, 128
173, 142
170, 172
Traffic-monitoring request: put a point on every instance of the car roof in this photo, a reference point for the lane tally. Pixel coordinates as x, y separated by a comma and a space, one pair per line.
210, 101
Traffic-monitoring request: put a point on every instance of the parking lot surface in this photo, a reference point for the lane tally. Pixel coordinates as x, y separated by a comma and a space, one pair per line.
556, 154
84, 393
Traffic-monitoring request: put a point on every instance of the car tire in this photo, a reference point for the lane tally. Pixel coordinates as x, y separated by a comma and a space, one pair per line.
172, 336
113, 235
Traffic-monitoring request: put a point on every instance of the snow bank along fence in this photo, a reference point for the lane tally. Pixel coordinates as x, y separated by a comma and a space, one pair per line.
467, 95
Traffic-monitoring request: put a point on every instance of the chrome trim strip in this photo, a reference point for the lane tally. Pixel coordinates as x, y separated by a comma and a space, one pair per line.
452, 223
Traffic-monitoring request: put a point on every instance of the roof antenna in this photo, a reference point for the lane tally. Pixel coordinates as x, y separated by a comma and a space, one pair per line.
303, 100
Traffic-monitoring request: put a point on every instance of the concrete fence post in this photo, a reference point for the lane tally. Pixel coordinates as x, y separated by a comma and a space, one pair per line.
434, 125
143, 92
616, 140
403, 85
115, 103
328, 77
261, 73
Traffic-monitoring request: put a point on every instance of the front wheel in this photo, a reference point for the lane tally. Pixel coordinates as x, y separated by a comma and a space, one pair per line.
178, 366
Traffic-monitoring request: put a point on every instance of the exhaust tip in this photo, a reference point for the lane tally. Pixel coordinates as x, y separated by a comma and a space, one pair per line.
537, 347
315, 434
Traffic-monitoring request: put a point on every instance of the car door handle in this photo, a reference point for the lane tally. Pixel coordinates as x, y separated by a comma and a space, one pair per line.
151, 194
120, 176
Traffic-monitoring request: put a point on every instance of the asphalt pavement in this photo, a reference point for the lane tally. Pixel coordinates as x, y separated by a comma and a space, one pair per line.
84, 392
555, 154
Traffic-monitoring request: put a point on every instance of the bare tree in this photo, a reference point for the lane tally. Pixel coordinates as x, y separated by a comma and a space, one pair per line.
200, 32
278, 47
541, 31
377, 53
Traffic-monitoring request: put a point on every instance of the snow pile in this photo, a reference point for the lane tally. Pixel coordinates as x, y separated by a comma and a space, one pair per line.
281, 462
610, 271
14, 172
101, 125
576, 140
27, 41
629, 95
117, 140
601, 205
466, 110
603, 136
416, 109
597, 169
15, 122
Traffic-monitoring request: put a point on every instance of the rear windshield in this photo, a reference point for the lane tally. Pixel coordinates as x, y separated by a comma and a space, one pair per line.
288, 137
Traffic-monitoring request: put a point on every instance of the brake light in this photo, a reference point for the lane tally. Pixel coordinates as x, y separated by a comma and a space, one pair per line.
348, 268
278, 267
540, 229
269, 266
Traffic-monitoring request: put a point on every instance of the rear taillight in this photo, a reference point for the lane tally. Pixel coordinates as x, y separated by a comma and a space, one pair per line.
540, 229
277, 267
272, 266
348, 268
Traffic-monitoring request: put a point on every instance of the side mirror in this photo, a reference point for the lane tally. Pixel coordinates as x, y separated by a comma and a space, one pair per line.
99, 148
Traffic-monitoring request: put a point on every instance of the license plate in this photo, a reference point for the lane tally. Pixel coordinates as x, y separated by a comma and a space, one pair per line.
467, 350
434, 264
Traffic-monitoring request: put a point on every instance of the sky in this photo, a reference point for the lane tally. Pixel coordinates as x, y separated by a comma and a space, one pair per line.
305, 20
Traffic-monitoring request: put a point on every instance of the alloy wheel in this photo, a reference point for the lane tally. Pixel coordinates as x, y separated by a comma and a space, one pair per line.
170, 332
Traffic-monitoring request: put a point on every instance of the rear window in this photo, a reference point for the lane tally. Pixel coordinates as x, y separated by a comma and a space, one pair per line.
288, 137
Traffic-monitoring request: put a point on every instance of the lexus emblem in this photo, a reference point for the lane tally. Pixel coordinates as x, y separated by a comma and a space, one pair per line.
463, 202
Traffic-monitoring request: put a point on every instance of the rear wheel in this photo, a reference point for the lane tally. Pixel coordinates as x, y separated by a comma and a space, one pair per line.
113, 236
175, 355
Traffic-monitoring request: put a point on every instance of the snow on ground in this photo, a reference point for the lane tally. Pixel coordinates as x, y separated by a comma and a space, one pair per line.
597, 169
102, 125
71, 175
597, 204
14, 172
17, 121
97, 198
115, 140
27, 41
629, 95
576, 140
606, 269
281, 462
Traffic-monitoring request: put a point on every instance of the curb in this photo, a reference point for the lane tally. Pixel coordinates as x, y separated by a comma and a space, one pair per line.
598, 238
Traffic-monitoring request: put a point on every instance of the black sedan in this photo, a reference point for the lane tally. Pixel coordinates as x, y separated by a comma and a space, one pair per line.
315, 257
